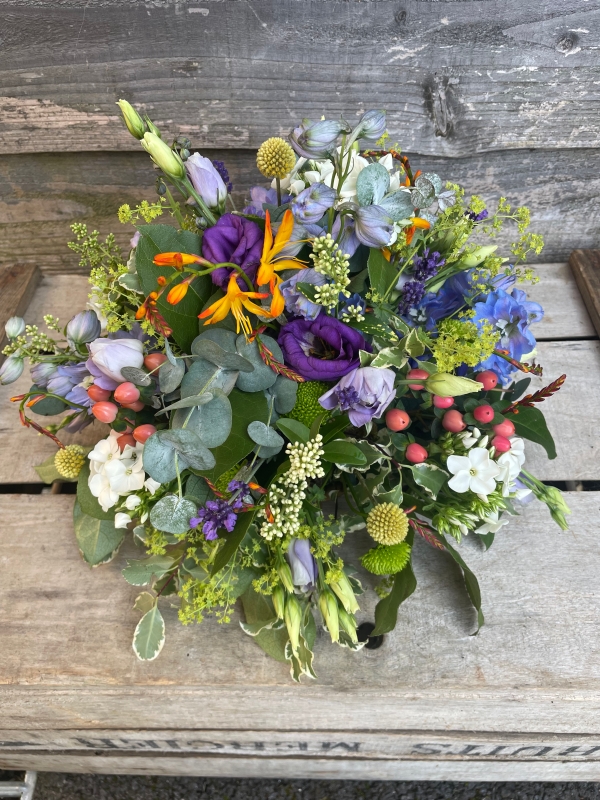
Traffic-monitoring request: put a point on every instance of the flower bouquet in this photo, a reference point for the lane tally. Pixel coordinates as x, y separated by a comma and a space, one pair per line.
338, 355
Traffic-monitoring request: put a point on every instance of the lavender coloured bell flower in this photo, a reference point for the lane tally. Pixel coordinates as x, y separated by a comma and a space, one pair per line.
66, 378
302, 564
11, 370
111, 355
83, 327
236, 240
14, 327
206, 180
316, 139
373, 226
259, 196
310, 205
348, 240
370, 128
297, 303
42, 372
323, 349
364, 394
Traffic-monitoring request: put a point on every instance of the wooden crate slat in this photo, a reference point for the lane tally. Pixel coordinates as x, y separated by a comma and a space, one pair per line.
17, 286
517, 76
585, 265
541, 598
42, 194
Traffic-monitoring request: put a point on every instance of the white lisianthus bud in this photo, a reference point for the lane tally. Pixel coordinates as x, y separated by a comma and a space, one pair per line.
162, 155
478, 256
443, 384
131, 118
329, 610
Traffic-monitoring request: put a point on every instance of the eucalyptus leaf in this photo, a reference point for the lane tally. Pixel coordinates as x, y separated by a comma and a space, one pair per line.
159, 459
372, 183
264, 435
211, 422
203, 376
149, 635
48, 406
398, 205
285, 392
137, 376
169, 353
98, 540
211, 351
188, 402
262, 376
226, 339
170, 376
189, 444
172, 514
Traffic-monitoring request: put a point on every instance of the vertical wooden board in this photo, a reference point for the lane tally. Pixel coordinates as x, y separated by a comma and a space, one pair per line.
17, 286
585, 265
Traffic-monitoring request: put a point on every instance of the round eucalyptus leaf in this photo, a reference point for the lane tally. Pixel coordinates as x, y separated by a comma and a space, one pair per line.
266, 452
398, 205
284, 390
212, 352
263, 376
170, 376
169, 353
137, 376
372, 184
264, 435
172, 514
47, 407
211, 422
206, 377
225, 339
159, 459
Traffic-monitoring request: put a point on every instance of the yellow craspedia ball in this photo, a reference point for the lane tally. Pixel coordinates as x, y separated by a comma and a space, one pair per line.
69, 460
387, 559
387, 524
275, 158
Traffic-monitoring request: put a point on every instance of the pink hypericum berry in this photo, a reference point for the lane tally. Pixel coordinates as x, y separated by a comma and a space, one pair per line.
488, 378
135, 406
416, 453
127, 393
417, 373
453, 421
154, 360
96, 394
124, 440
505, 428
501, 444
483, 414
105, 412
397, 420
442, 402
143, 432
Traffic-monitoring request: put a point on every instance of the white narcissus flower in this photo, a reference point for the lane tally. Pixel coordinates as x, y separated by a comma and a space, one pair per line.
132, 502
100, 487
104, 451
491, 524
121, 520
475, 472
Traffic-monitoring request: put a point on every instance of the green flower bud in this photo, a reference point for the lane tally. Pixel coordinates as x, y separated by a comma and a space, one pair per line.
135, 124
348, 624
278, 598
285, 574
343, 589
478, 256
14, 327
329, 610
151, 126
162, 155
293, 619
446, 385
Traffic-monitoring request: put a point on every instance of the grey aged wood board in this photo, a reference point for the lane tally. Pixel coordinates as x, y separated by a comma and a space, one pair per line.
455, 78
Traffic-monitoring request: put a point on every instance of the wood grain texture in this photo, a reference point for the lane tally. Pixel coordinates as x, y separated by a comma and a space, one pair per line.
585, 265
533, 668
455, 78
17, 286
41, 195
565, 317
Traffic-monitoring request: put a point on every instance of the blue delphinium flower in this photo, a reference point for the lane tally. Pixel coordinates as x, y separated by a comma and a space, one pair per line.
310, 205
214, 515
511, 315
260, 196
295, 302
364, 394
477, 217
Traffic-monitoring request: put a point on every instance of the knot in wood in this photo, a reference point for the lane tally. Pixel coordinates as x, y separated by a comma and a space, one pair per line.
566, 42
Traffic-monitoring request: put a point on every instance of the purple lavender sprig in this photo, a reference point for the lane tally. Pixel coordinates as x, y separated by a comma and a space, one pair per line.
224, 173
214, 515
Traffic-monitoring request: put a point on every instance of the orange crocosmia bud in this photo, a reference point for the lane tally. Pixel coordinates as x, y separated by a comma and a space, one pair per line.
141, 312
161, 280
176, 260
269, 515
177, 293
386, 253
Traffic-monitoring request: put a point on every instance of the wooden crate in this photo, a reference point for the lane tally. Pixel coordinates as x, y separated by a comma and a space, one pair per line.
519, 701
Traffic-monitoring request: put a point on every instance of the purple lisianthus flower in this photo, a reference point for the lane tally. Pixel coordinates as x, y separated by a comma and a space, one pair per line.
100, 379
511, 315
214, 515
373, 226
302, 564
206, 180
323, 349
310, 205
364, 394
260, 196
236, 240
295, 302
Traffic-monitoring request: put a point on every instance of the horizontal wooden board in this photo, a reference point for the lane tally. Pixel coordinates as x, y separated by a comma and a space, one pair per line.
533, 669
579, 455
41, 195
455, 78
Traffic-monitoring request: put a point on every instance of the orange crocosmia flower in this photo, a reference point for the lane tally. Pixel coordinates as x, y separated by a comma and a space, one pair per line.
417, 222
271, 262
148, 302
235, 301
177, 260
178, 292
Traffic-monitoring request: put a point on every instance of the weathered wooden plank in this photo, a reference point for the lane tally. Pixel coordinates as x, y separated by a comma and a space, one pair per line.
455, 78
17, 286
41, 195
533, 669
585, 265
574, 405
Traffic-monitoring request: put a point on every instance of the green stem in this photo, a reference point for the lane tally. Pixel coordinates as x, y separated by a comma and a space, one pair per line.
201, 204
278, 184
179, 490
174, 207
